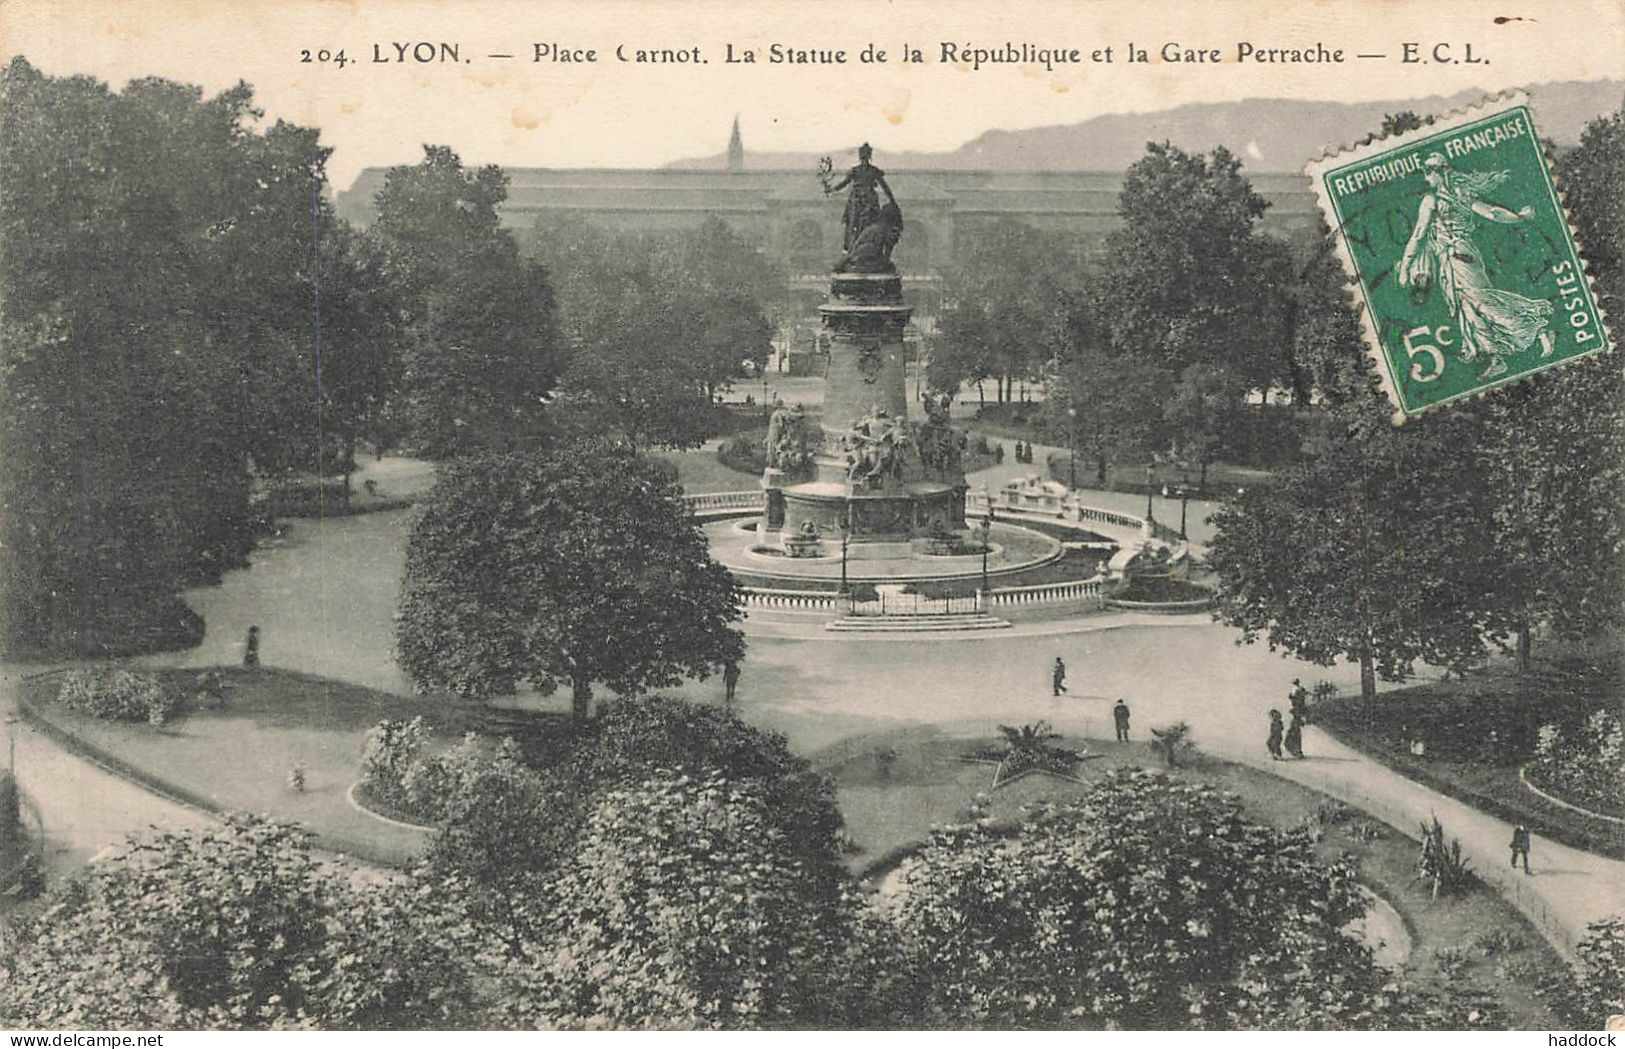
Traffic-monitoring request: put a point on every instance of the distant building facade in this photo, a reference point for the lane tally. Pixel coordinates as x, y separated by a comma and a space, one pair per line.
786, 214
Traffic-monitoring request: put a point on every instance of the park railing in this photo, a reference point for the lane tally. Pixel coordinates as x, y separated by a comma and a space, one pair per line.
706, 502
917, 605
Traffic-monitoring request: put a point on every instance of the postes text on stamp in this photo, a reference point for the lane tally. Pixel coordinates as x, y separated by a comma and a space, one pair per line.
1466, 267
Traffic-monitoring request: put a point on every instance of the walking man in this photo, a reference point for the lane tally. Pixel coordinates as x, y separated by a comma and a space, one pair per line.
730, 679
1058, 676
251, 648
1277, 730
1120, 718
1520, 846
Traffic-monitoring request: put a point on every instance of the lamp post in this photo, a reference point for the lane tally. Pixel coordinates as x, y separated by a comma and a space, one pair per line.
1072, 450
1184, 500
846, 539
984, 532
11, 737
1150, 484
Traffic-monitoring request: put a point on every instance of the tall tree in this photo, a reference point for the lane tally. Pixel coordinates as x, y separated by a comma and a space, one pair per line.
156, 272
1182, 275
1002, 308
578, 565
482, 353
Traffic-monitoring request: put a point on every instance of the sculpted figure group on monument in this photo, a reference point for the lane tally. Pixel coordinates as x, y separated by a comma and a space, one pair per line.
875, 449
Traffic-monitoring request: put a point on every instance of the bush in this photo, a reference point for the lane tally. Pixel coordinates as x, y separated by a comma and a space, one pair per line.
640, 738
1442, 863
11, 816
306, 498
233, 927
118, 695
1146, 904
746, 453
1584, 764
1589, 994
387, 757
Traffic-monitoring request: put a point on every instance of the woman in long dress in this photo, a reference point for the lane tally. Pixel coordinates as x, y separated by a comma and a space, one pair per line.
1490, 323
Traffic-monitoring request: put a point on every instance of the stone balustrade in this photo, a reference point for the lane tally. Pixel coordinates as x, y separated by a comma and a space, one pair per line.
706, 502
1082, 591
820, 601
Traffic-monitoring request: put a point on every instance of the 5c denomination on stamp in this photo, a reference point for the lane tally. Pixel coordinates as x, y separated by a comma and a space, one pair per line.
1465, 263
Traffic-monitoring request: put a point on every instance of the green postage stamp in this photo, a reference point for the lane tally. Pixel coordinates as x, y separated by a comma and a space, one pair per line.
1467, 270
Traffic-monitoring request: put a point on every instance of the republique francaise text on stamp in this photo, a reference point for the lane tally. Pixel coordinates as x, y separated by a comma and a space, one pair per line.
1466, 267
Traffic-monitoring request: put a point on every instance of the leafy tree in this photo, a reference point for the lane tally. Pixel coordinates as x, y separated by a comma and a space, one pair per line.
235, 927
578, 565
155, 344
685, 906
1109, 403
1146, 904
1202, 407
1186, 278
482, 353
657, 326
1003, 308
1373, 550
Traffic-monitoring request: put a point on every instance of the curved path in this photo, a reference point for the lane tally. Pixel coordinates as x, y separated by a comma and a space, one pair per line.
324, 596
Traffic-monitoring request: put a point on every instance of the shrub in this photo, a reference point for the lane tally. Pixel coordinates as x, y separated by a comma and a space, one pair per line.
1029, 747
1589, 994
1500, 941
639, 738
1146, 904
1441, 861
11, 815
746, 452
1584, 764
233, 927
387, 756
118, 695
1452, 960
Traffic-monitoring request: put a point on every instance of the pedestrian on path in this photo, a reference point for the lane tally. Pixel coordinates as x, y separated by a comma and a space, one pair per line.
1299, 698
1294, 737
1520, 846
251, 648
1120, 718
1058, 677
730, 679
1276, 731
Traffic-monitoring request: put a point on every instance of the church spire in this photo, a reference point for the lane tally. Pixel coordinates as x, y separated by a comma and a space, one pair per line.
736, 148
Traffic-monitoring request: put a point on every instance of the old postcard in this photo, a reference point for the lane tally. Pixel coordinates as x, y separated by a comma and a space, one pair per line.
762, 516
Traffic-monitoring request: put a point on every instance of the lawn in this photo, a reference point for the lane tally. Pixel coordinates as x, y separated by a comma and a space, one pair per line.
894, 788
239, 758
1477, 731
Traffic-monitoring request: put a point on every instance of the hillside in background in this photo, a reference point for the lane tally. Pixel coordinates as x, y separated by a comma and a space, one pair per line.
1270, 134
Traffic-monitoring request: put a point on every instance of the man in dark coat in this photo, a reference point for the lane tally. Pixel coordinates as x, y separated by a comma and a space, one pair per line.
1058, 676
730, 679
1120, 719
1520, 846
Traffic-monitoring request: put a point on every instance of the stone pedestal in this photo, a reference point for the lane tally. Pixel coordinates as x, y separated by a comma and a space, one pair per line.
864, 320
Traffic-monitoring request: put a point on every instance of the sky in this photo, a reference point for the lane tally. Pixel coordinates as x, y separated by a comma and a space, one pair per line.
609, 113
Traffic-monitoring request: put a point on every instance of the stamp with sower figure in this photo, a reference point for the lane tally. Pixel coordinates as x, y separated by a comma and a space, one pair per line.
1466, 268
